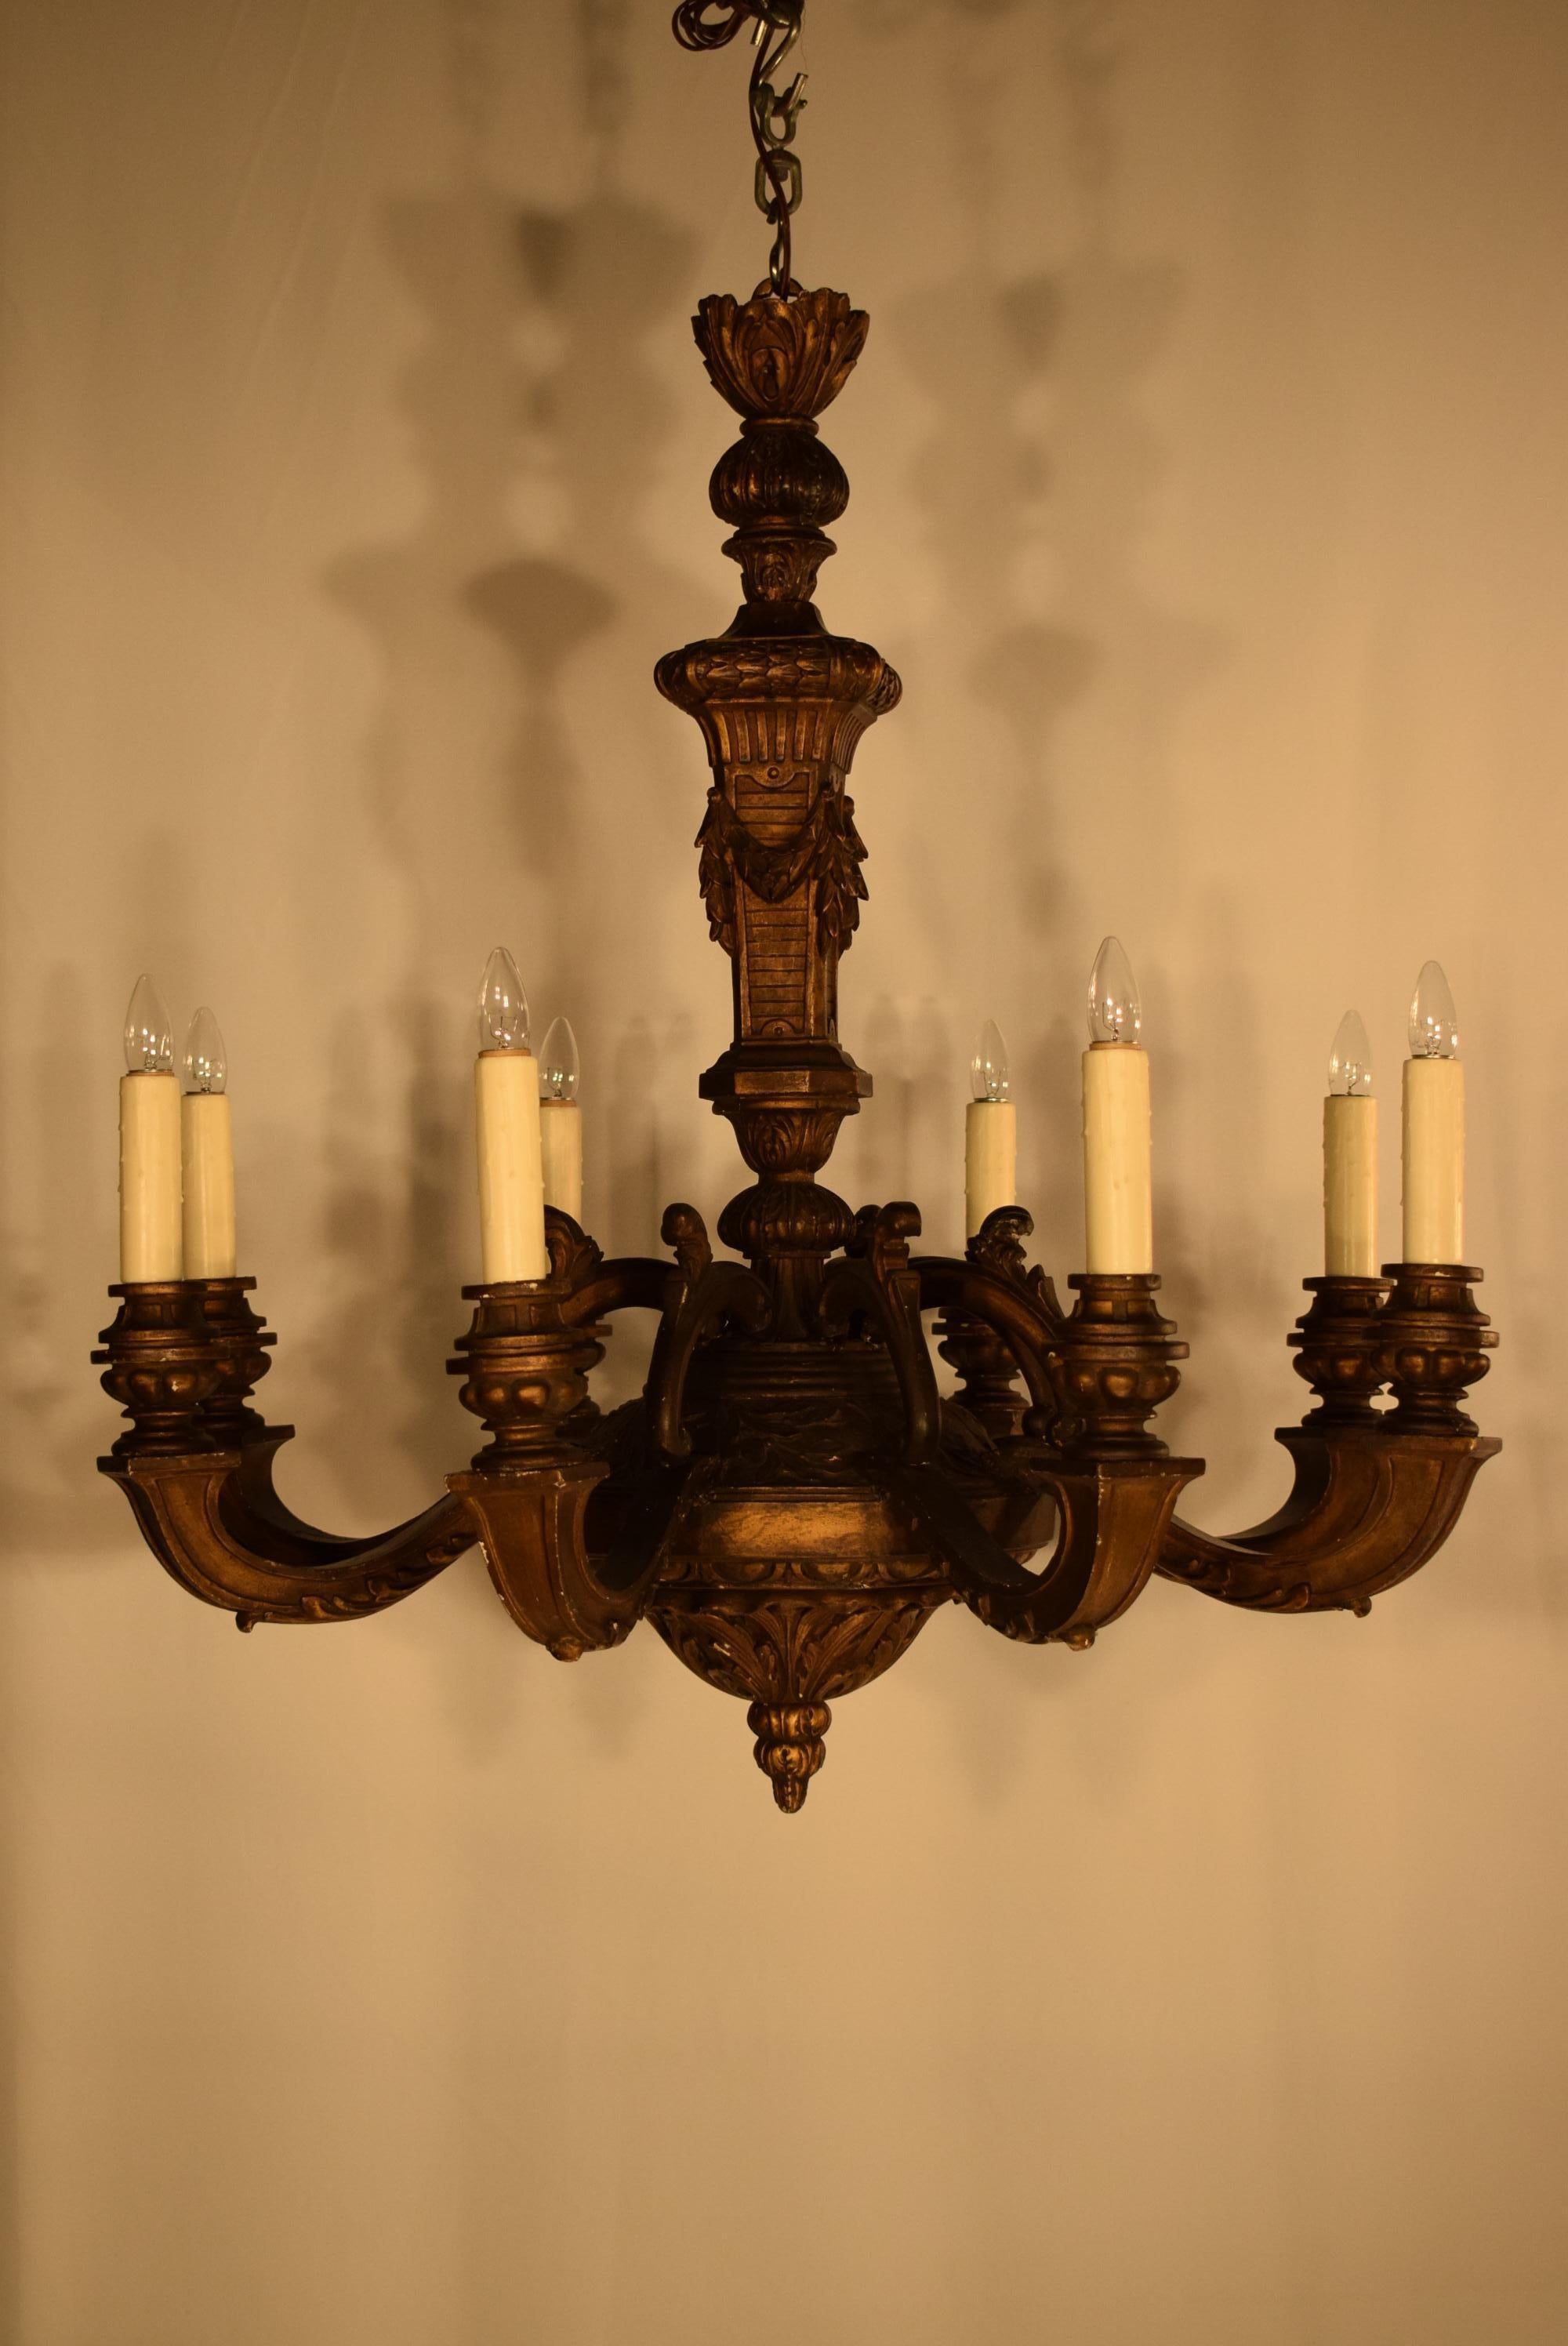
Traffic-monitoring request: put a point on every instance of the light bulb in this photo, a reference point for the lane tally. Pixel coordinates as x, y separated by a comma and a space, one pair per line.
206, 1061
503, 1005
1115, 1014
558, 1062
149, 1038
1434, 1021
989, 1078
1350, 1059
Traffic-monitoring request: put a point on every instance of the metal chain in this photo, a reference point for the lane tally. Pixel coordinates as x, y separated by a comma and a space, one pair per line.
775, 113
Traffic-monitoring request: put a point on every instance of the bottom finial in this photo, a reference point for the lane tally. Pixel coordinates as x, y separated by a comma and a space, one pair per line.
789, 1748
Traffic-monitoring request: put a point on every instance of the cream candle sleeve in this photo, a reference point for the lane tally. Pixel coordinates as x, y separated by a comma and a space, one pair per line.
1434, 1161
1118, 1210
561, 1148
510, 1173
207, 1136
150, 1238
990, 1160
1350, 1186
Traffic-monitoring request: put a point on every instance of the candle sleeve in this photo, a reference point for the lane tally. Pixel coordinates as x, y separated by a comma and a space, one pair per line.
1350, 1186
990, 1160
510, 1173
561, 1140
1434, 1161
150, 1238
208, 1149
1118, 1215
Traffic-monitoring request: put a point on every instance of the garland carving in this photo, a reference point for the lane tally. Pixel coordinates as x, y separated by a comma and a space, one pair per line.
826, 848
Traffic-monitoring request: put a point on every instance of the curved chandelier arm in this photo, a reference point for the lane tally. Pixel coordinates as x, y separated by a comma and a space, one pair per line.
876, 1285
1368, 1507
701, 1297
1003, 1320
182, 1357
1375, 1493
574, 1547
216, 1524
965, 1291
1096, 1374
571, 1559
586, 1286
1113, 1517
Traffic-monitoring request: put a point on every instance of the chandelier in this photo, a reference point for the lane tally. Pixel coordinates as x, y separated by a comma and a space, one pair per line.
791, 1497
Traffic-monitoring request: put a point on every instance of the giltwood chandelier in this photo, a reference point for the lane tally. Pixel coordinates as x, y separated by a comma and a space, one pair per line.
791, 1499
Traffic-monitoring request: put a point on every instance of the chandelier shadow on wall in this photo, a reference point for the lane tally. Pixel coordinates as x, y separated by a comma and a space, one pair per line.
791, 1500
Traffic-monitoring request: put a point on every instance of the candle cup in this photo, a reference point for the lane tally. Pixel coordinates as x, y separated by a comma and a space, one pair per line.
1116, 1365
1338, 1345
526, 1374
1436, 1339
159, 1365
238, 1340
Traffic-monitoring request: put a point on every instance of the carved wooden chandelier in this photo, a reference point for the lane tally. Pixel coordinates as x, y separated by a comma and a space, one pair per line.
791, 1500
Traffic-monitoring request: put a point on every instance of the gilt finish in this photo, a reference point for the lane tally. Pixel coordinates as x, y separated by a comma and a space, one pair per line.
791, 1499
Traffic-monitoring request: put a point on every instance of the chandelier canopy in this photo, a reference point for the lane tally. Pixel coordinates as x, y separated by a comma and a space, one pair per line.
791, 1497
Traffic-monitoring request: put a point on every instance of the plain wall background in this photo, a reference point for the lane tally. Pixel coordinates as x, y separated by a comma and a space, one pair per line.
392, 1985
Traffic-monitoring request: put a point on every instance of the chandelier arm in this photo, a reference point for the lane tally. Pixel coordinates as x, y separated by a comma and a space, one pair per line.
876, 1283
1095, 1377
1367, 1510
1113, 1517
623, 1283
1375, 1493
851, 1292
197, 1515
725, 1294
572, 1557
1016, 1317
574, 1510
265, 1526
182, 1357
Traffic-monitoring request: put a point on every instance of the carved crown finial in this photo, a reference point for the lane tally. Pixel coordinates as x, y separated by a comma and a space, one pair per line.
774, 358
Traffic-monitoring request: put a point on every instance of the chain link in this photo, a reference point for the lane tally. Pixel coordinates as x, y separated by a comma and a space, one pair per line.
775, 113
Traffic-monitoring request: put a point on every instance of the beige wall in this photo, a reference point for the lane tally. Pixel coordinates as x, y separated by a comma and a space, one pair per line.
396, 1986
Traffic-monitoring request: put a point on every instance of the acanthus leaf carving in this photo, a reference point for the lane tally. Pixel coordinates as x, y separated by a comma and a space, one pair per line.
769, 357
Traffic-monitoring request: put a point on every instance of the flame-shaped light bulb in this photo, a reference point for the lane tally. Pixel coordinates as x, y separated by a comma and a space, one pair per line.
1350, 1059
989, 1077
150, 1037
558, 1064
503, 1005
1115, 1013
1434, 1021
206, 1061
